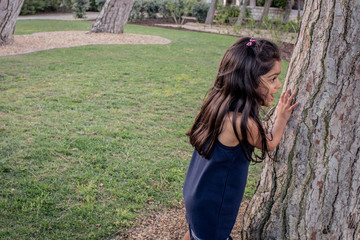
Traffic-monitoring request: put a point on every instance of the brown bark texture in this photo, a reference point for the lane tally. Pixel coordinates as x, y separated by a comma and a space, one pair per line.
265, 11
210, 14
312, 190
9, 11
113, 16
288, 8
242, 12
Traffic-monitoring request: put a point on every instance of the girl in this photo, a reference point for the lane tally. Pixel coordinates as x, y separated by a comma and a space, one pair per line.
225, 133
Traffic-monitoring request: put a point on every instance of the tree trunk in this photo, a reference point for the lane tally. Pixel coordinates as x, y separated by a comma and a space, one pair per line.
299, 8
9, 11
288, 8
312, 191
228, 3
210, 14
113, 16
242, 12
252, 3
265, 11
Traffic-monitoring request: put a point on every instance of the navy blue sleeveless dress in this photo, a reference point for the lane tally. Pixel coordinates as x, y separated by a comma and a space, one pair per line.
213, 191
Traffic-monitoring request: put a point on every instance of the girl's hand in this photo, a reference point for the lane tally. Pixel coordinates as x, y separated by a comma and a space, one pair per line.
284, 108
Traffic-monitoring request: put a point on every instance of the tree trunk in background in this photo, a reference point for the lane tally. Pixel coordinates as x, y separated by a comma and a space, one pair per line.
252, 3
113, 16
242, 12
210, 15
228, 3
312, 191
9, 11
265, 11
288, 8
299, 8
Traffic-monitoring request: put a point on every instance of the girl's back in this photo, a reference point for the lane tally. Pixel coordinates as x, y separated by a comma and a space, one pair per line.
213, 190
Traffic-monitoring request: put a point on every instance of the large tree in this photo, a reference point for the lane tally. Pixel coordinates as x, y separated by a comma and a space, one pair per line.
265, 12
113, 16
288, 8
312, 190
242, 12
9, 11
210, 14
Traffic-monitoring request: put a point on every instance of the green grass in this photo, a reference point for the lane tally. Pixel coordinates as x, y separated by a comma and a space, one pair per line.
91, 136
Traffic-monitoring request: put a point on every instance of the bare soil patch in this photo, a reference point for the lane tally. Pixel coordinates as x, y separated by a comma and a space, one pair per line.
64, 39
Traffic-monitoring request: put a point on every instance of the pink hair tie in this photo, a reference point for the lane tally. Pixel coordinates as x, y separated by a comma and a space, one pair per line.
251, 42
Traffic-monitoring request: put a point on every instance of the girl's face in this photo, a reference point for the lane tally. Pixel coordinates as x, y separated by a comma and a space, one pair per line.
270, 84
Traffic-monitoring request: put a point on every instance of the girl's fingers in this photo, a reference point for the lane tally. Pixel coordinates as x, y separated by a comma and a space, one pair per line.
294, 106
291, 98
282, 97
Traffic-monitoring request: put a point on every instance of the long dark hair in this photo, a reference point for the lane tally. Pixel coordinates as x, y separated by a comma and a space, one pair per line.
234, 91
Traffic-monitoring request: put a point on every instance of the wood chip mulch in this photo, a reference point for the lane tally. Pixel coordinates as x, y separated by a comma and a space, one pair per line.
169, 224
63, 39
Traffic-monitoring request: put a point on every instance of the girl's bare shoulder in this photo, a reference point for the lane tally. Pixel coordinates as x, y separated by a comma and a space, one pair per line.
227, 135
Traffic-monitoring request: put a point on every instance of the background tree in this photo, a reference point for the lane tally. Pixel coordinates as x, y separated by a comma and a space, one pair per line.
210, 15
9, 11
242, 12
113, 16
265, 12
299, 3
289, 4
312, 191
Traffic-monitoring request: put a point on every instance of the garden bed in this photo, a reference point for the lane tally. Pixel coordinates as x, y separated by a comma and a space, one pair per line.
286, 48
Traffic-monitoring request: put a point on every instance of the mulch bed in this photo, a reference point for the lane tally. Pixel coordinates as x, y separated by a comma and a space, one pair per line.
286, 49
169, 224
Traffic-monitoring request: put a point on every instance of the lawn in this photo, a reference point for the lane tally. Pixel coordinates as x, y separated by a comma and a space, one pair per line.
91, 136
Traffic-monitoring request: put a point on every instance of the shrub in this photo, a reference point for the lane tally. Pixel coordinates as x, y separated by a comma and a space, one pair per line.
137, 11
144, 8
152, 7
279, 25
274, 3
80, 6
189, 5
225, 14
163, 10
92, 6
100, 4
200, 10
34, 6
169, 9
176, 9
292, 26
248, 13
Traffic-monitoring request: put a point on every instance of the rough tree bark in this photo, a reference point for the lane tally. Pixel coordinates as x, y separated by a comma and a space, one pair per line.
242, 12
265, 11
312, 191
210, 14
9, 11
113, 16
288, 8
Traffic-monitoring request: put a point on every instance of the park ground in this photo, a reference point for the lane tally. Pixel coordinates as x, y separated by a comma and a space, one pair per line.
93, 141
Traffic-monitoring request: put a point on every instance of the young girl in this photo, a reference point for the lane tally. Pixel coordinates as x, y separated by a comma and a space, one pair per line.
225, 133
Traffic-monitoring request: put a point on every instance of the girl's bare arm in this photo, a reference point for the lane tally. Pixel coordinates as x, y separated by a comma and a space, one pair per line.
284, 110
